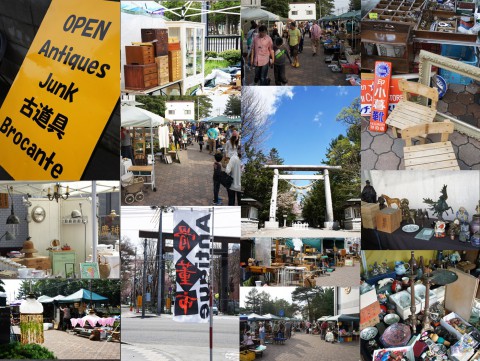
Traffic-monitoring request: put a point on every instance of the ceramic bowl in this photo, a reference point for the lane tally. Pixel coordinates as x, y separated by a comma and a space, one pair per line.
396, 335
391, 318
368, 333
410, 228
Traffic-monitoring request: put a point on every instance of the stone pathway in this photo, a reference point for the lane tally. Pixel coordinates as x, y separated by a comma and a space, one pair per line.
383, 151
311, 348
66, 346
342, 277
188, 183
312, 71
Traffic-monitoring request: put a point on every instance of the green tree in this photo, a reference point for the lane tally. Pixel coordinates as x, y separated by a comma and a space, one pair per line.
307, 295
252, 301
228, 21
233, 106
278, 7
176, 11
354, 5
326, 7
257, 182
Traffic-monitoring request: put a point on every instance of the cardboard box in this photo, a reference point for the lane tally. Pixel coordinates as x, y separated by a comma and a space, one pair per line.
451, 329
388, 220
369, 212
402, 304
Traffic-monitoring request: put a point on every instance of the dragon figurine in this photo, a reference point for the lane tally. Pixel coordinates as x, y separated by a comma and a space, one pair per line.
439, 207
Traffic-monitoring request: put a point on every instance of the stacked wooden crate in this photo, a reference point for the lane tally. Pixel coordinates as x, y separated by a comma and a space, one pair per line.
159, 40
140, 70
175, 64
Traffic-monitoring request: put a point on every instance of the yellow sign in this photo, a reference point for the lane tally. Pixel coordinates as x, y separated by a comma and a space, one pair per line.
373, 15
139, 301
64, 93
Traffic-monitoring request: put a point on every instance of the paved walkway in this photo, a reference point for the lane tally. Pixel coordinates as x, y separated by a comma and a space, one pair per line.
66, 346
311, 348
342, 277
188, 183
312, 71
385, 152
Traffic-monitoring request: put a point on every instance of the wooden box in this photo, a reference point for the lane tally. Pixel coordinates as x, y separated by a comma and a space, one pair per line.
139, 55
369, 213
161, 36
388, 220
162, 68
39, 262
139, 77
175, 65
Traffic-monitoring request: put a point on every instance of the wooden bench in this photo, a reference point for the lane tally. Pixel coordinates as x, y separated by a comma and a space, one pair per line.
438, 155
408, 113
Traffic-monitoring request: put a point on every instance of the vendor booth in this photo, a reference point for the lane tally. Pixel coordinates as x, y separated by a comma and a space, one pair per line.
59, 229
420, 305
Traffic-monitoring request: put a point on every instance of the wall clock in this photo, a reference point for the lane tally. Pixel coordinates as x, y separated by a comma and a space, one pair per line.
38, 214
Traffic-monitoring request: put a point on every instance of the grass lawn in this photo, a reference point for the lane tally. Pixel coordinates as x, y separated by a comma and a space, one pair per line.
214, 64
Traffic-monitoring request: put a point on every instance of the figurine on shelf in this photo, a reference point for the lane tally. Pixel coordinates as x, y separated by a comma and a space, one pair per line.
440, 229
369, 194
440, 206
405, 209
384, 267
381, 201
375, 269
454, 229
454, 258
462, 215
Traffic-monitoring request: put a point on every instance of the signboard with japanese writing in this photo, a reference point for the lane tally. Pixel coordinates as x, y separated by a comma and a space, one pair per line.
191, 256
64, 93
381, 88
366, 95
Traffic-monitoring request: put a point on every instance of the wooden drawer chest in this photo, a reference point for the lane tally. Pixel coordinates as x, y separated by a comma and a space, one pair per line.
175, 65
63, 262
162, 68
141, 76
140, 55
39, 262
161, 35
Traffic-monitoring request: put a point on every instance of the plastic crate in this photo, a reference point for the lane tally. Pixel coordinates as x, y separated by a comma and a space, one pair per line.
466, 54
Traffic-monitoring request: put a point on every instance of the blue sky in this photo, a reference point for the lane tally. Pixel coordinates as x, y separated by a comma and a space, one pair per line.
304, 121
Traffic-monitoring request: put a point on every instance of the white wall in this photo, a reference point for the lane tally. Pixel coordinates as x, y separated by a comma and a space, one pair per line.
180, 108
251, 3
52, 228
348, 303
302, 11
463, 187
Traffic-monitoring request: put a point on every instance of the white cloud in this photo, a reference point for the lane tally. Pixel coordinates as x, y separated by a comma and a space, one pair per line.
317, 118
271, 96
342, 90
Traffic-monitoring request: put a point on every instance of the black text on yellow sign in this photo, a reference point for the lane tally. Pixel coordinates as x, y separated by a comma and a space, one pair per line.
64, 93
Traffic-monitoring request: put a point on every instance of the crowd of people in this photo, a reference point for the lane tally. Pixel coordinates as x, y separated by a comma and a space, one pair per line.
270, 48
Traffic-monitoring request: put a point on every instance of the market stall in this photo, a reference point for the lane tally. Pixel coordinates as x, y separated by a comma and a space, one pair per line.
157, 53
424, 211
54, 228
419, 305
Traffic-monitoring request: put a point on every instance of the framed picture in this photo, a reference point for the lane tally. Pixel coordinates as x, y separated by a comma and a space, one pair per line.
89, 270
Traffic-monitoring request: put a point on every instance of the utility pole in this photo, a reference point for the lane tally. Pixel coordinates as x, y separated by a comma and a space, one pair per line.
160, 280
135, 281
144, 282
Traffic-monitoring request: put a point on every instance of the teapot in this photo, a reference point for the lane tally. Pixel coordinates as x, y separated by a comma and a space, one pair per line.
400, 268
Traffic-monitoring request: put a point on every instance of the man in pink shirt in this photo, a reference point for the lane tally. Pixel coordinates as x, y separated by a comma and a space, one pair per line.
262, 52
315, 34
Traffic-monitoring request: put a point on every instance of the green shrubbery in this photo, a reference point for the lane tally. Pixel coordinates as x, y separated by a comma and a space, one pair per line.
16, 350
232, 56
210, 54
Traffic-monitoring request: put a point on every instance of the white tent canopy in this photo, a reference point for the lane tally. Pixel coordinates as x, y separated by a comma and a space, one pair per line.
139, 117
255, 317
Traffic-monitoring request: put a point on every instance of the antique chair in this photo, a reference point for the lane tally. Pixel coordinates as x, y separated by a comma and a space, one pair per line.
408, 113
438, 155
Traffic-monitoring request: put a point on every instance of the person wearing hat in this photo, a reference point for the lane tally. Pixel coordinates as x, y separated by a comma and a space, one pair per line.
294, 36
368, 193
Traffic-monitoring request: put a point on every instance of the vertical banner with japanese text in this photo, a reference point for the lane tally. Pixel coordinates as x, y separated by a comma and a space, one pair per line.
381, 89
64, 93
191, 256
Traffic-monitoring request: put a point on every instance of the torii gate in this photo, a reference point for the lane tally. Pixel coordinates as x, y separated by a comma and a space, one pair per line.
272, 224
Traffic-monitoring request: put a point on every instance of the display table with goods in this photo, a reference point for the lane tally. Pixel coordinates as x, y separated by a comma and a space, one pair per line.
395, 225
391, 28
425, 312
163, 57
